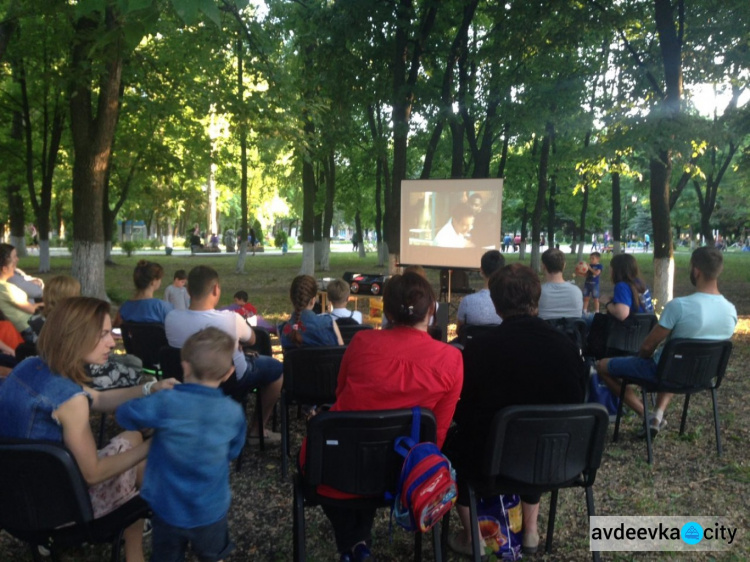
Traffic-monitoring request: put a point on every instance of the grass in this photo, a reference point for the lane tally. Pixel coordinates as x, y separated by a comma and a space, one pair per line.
687, 477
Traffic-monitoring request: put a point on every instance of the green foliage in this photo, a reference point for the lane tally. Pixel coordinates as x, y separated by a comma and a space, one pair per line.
131, 246
153, 243
280, 238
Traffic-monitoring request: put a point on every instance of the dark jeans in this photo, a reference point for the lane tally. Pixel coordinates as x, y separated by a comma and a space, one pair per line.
350, 526
209, 543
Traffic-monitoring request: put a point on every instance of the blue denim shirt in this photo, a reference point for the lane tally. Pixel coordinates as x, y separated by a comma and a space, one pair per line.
197, 431
29, 396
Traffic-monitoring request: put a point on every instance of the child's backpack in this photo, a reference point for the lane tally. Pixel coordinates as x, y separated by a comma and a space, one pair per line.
427, 485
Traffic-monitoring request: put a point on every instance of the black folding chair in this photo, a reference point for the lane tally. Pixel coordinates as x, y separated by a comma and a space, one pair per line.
144, 340
574, 328
625, 337
44, 500
468, 332
348, 330
262, 342
537, 449
686, 366
362, 462
310, 377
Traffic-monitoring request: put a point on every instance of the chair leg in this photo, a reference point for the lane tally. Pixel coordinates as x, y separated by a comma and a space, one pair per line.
437, 544
444, 533
474, 522
616, 433
591, 512
259, 412
298, 516
683, 421
284, 436
646, 428
716, 422
418, 547
551, 521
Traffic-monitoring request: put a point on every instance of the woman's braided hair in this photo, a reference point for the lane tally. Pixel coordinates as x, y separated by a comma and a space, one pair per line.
304, 288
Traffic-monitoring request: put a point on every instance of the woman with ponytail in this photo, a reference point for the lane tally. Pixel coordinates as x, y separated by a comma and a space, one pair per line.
305, 328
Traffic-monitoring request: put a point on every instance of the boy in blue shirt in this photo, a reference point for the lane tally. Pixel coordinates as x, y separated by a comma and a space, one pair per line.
198, 430
591, 284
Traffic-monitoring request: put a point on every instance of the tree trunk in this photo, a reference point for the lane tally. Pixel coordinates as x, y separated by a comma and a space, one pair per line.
584, 209
359, 233
616, 213
329, 166
242, 254
15, 199
551, 211
92, 142
667, 112
536, 218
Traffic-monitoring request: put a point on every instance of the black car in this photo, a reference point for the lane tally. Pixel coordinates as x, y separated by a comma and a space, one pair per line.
366, 282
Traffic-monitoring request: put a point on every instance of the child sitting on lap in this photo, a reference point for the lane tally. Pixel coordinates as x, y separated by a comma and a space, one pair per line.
198, 430
249, 312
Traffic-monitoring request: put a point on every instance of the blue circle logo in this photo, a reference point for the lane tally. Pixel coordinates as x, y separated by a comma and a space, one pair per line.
691, 533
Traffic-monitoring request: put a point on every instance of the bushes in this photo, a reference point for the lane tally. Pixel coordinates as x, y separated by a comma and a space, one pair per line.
131, 246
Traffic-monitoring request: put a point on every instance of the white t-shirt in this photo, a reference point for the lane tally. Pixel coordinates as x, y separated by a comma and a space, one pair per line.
447, 237
181, 324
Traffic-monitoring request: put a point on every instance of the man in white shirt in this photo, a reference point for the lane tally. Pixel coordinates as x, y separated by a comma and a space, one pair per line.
559, 299
454, 233
477, 308
258, 371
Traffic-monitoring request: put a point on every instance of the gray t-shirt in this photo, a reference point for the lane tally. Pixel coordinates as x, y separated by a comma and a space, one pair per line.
477, 309
560, 300
177, 296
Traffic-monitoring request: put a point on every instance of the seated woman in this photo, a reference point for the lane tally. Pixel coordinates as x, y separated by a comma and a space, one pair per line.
13, 301
630, 293
416, 371
77, 332
144, 307
524, 360
305, 328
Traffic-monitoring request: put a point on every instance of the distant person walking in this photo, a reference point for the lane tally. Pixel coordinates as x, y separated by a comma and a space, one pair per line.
646, 242
594, 242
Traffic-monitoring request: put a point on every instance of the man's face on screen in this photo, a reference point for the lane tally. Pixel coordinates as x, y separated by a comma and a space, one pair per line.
463, 225
476, 204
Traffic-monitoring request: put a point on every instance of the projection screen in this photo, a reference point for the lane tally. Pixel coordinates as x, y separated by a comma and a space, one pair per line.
450, 223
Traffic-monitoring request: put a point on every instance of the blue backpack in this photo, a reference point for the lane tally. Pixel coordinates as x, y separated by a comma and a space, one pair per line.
427, 485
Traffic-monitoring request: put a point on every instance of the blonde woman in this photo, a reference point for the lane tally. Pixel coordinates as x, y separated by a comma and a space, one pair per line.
78, 332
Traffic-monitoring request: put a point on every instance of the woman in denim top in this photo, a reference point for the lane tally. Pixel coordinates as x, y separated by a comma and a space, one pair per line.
46, 398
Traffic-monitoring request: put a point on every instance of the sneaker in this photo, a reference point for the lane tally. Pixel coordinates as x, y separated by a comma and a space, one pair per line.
530, 543
346, 557
653, 428
361, 552
147, 527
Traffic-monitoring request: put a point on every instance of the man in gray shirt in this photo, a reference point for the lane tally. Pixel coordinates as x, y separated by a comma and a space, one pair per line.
477, 308
559, 299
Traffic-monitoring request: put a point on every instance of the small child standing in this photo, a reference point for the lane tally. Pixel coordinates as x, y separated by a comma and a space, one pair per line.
338, 295
176, 293
591, 283
198, 430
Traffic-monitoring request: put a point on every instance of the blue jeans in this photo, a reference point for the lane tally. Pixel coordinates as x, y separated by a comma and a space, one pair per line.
261, 371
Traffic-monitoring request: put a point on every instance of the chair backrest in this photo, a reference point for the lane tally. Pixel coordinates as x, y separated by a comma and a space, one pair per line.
41, 487
348, 330
549, 445
353, 451
574, 328
262, 342
170, 362
144, 340
311, 374
625, 338
694, 364
468, 332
